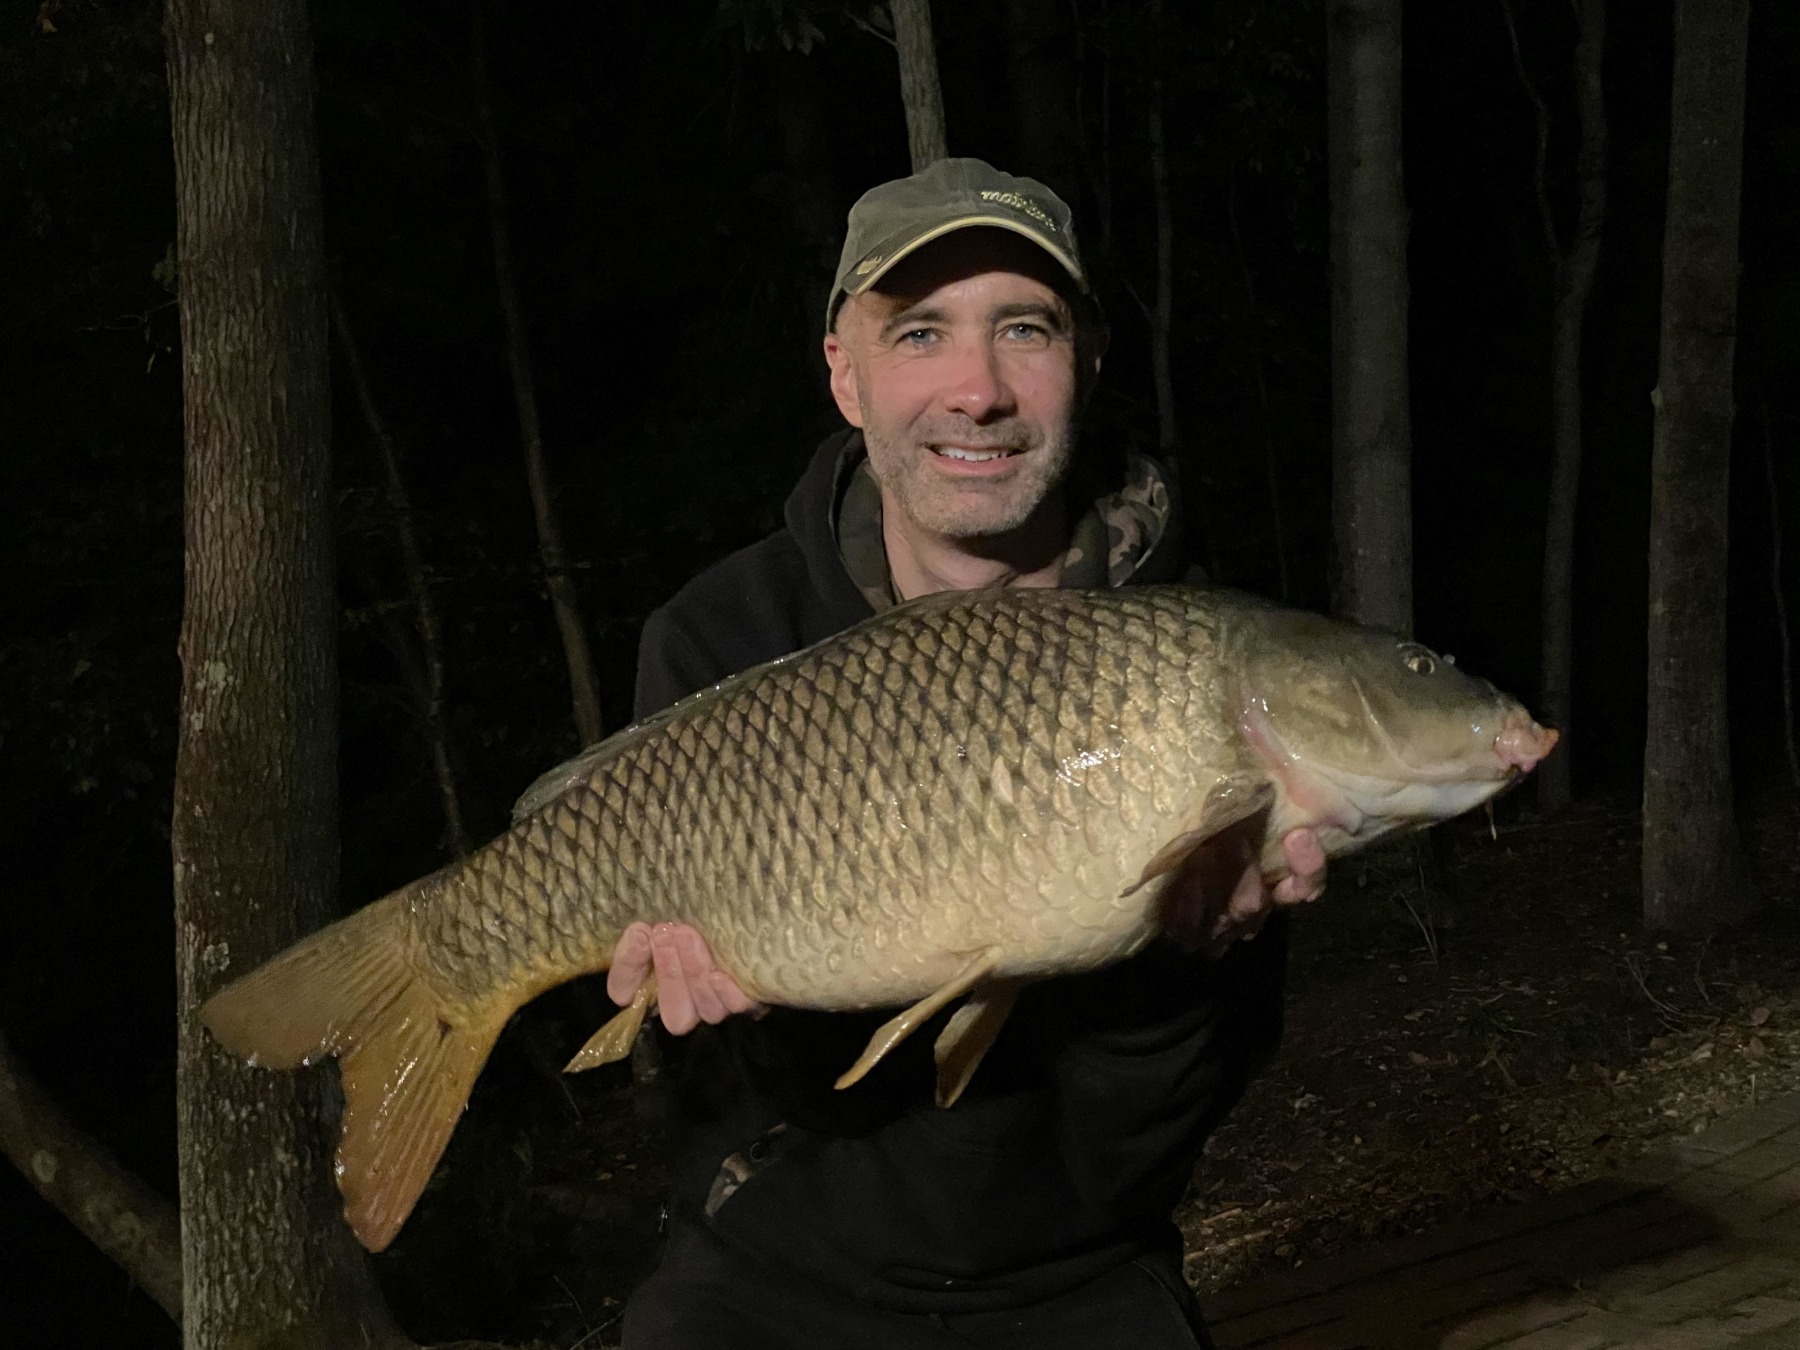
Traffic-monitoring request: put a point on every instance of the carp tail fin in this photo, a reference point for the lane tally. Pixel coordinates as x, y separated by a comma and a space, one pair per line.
408, 1057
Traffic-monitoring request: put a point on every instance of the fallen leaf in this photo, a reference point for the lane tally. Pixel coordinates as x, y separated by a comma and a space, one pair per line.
1759, 1016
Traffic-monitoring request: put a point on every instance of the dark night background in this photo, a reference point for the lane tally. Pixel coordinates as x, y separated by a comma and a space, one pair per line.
678, 180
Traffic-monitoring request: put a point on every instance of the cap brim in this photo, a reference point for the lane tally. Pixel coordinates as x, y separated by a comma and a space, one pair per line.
912, 246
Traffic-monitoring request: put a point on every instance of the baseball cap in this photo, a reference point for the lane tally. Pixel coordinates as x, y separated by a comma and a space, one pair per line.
895, 219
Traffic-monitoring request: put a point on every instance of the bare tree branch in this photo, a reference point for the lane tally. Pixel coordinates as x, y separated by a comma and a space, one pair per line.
1545, 217
870, 28
425, 617
71, 1169
584, 688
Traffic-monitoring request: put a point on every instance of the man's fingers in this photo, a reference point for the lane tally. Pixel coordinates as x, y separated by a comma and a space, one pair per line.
1306, 866
690, 987
697, 963
1250, 898
630, 964
734, 998
674, 998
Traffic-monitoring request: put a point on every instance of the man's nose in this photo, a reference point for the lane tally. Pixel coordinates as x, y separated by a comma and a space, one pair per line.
978, 388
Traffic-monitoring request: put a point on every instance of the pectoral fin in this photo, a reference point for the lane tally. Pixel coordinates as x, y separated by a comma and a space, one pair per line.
1232, 801
971, 1030
614, 1039
897, 1030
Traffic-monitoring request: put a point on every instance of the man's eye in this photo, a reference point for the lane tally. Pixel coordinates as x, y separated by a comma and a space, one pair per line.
917, 337
1023, 332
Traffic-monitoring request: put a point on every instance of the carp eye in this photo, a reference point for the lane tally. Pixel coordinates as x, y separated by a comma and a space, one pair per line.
1418, 660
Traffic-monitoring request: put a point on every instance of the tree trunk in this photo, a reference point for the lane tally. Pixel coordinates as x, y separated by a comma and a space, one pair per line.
265, 1258
1162, 318
1271, 468
1038, 50
1783, 632
919, 81
1096, 163
1573, 267
1371, 457
1574, 283
429, 697
1693, 867
73, 1171
1162, 312
584, 689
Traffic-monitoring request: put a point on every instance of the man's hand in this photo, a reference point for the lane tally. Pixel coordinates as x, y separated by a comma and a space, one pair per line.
1220, 897
690, 987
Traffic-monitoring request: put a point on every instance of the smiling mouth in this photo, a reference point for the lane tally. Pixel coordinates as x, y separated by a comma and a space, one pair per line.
971, 456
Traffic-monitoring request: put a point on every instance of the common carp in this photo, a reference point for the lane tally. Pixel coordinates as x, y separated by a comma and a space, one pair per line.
970, 792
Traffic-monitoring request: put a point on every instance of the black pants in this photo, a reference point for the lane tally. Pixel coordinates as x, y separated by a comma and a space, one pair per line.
707, 1295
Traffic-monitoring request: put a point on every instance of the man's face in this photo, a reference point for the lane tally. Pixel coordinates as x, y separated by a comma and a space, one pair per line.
960, 368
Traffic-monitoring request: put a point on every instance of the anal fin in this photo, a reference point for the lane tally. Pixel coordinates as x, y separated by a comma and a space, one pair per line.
614, 1039
969, 1034
891, 1033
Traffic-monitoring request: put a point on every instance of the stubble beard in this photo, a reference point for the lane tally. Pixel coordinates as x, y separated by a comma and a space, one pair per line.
973, 509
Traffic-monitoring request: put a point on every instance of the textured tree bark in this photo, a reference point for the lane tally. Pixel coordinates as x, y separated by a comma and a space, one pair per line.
584, 688
1783, 632
919, 89
430, 693
1693, 868
1371, 458
1573, 264
265, 1259
73, 1171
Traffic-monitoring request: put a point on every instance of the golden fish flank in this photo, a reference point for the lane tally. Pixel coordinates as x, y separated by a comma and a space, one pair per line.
966, 793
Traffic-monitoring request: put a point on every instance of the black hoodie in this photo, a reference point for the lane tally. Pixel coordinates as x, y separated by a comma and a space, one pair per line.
1077, 1136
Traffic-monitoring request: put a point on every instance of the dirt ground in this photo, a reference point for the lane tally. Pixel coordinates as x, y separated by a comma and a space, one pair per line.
1485, 1022
1474, 1022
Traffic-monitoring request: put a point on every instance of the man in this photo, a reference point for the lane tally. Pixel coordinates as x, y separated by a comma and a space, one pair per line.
962, 342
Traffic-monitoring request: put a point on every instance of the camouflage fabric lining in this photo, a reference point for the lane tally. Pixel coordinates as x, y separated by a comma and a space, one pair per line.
1109, 542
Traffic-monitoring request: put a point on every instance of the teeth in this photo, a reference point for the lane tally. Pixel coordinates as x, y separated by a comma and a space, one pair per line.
973, 456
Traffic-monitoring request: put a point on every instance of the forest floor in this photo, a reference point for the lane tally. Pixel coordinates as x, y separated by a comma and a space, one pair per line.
1474, 1023
1494, 1030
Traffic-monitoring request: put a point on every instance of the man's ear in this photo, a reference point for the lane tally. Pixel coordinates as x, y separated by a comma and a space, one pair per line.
1093, 338
844, 387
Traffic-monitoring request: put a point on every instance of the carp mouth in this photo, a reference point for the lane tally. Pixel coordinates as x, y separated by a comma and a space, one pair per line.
1393, 791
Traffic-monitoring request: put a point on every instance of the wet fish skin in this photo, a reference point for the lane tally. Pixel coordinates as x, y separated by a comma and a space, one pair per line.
840, 823
971, 791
